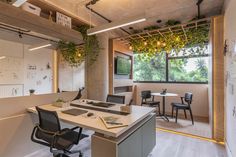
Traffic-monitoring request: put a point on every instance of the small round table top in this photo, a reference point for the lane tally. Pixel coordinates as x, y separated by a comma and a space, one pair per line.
164, 95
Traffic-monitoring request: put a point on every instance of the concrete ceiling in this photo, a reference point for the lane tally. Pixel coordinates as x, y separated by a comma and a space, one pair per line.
183, 10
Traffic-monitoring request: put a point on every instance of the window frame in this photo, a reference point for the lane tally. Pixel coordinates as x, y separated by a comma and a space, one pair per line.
167, 70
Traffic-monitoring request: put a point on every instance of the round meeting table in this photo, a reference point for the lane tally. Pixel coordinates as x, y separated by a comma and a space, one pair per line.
163, 115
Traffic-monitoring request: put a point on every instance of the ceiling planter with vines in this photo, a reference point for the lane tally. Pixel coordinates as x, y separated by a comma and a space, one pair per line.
170, 39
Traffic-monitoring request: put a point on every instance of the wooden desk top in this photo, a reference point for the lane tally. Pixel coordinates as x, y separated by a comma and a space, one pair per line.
94, 123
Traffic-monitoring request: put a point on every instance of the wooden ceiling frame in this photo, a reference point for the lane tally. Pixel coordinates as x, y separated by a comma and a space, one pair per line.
178, 29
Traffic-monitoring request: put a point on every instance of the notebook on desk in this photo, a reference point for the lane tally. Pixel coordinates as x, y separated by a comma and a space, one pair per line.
112, 122
74, 112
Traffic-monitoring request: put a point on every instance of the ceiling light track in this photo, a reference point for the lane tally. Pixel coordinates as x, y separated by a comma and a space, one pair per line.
23, 32
93, 2
14, 28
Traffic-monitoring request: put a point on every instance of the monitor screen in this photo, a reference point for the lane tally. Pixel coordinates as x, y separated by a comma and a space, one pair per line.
123, 66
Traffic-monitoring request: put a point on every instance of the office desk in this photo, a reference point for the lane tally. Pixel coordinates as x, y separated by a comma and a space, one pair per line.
137, 139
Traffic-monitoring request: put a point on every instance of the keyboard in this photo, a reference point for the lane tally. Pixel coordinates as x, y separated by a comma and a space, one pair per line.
101, 104
100, 109
74, 112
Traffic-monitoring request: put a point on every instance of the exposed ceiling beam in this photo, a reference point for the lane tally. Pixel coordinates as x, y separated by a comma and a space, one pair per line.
93, 2
199, 8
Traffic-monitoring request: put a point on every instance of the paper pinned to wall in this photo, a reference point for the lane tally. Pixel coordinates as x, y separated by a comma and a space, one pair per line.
38, 71
11, 90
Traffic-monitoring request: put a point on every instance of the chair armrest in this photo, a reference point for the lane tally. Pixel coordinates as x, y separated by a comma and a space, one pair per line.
45, 131
66, 131
182, 99
54, 135
75, 128
153, 98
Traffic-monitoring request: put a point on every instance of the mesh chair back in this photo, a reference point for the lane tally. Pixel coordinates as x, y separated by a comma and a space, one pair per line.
116, 99
188, 98
146, 94
48, 120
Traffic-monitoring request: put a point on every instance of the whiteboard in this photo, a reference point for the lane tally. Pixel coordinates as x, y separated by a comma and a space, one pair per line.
11, 70
23, 70
11, 90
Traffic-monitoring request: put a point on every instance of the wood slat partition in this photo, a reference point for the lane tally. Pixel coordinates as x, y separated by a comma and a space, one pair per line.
218, 77
17, 17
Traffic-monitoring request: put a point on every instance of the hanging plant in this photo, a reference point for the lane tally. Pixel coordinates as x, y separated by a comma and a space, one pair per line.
72, 54
75, 55
171, 43
91, 44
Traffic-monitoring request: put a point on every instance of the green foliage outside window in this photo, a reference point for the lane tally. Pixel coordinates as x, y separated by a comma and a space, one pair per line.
181, 68
154, 70
179, 73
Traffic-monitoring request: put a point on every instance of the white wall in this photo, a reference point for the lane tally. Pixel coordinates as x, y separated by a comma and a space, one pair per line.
230, 35
200, 105
71, 78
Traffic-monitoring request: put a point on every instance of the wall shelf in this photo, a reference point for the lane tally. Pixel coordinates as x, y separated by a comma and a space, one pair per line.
17, 17
47, 7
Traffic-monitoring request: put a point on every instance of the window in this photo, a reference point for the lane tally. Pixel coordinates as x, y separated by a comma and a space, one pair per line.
188, 70
189, 66
154, 70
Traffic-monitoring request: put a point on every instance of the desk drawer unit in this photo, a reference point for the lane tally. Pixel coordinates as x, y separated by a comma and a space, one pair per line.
138, 143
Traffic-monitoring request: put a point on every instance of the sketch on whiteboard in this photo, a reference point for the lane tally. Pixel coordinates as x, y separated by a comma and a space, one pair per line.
11, 91
11, 71
32, 67
31, 75
48, 66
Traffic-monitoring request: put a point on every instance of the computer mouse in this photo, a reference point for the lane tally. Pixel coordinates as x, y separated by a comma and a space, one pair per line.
90, 114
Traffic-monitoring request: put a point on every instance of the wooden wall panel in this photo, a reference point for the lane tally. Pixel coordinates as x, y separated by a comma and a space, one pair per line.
218, 77
117, 46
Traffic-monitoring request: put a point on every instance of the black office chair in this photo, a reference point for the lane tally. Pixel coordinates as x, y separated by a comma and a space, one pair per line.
49, 133
116, 99
148, 99
185, 104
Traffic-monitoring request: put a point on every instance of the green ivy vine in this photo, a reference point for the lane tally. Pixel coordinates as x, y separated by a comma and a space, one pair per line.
171, 43
75, 55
